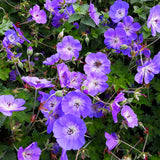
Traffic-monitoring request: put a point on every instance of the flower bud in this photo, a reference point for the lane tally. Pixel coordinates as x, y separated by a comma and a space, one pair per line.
87, 39
59, 93
20, 65
19, 45
60, 35
124, 46
37, 54
29, 51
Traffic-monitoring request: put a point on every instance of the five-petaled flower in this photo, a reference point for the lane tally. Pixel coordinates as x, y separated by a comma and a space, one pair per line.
32, 152
69, 132
9, 104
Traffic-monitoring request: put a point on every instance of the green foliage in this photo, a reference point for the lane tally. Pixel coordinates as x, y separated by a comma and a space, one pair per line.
74, 17
120, 77
2, 119
87, 20
10, 155
4, 73
5, 25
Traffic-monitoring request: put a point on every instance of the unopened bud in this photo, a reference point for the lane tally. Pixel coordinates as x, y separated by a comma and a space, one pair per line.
124, 46
29, 51
61, 11
37, 54
59, 93
19, 45
20, 65
87, 39
60, 35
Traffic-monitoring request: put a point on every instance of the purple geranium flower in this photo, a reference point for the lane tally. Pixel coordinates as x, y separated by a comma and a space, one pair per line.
32, 152
95, 110
63, 74
52, 59
52, 111
116, 108
97, 63
76, 25
70, 1
112, 140
115, 38
118, 11
129, 116
12, 37
95, 84
153, 21
69, 48
13, 74
55, 148
52, 6
75, 79
64, 155
60, 18
37, 83
148, 69
76, 103
69, 132
20, 34
38, 15
6, 43
93, 13
129, 27
8, 104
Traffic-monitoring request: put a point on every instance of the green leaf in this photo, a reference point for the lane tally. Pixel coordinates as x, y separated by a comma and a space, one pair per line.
74, 17
2, 119
6, 24
88, 21
4, 73
10, 155
22, 116
81, 9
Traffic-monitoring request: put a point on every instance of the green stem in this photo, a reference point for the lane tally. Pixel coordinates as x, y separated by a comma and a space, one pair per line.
34, 101
19, 73
145, 142
132, 147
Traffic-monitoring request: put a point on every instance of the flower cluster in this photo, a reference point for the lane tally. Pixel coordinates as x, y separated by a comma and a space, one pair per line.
126, 111
96, 67
12, 38
123, 36
65, 111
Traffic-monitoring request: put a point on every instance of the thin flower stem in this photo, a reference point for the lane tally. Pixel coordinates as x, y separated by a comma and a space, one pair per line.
26, 22
111, 97
19, 73
34, 101
35, 120
115, 156
141, 59
145, 143
88, 143
10, 4
135, 145
3, 154
15, 147
98, 99
29, 65
77, 155
3, 10
153, 42
131, 146
46, 45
